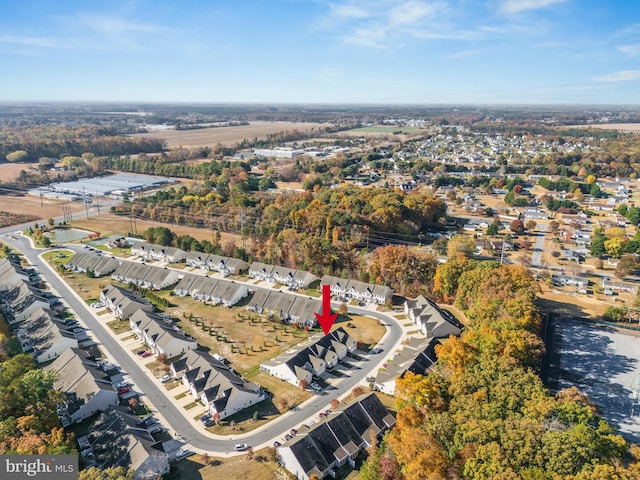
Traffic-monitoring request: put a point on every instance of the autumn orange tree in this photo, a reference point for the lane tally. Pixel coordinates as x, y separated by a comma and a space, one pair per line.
28, 420
483, 412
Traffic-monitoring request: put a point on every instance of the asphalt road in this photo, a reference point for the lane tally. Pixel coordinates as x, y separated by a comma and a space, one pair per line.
157, 396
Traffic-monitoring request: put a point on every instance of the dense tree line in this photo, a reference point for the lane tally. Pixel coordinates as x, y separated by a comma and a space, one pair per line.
170, 168
57, 141
567, 185
295, 230
483, 413
407, 271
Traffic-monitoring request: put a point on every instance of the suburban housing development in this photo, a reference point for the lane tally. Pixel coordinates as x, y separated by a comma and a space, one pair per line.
466, 251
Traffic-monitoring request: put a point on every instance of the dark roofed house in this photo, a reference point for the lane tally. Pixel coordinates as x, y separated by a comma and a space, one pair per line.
213, 382
122, 302
162, 337
145, 276
335, 442
43, 337
95, 262
301, 363
86, 389
433, 321
119, 439
417, 357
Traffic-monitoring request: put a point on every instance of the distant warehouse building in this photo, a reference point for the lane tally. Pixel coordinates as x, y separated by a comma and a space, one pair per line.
278, 152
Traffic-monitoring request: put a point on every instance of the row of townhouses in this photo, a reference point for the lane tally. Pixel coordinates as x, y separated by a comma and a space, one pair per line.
213, 382
357, 290
300, 364
97, 263
160, 335
211, 290
334, 443
150, 251
28, 311
418, 354
123, 271
283, 275
145, 276
123, 302
86, 388
216, 263
288, 307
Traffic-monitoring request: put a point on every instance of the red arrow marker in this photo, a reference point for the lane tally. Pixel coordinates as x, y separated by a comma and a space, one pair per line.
326, 318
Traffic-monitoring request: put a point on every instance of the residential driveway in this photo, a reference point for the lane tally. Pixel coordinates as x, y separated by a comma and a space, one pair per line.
538, 248
182, 422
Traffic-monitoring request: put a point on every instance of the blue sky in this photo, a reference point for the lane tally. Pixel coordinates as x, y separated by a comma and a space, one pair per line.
317, 51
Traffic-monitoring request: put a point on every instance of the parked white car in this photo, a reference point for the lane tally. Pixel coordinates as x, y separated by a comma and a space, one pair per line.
184, 453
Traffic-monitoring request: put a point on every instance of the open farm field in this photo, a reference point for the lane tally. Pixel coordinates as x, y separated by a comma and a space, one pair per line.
28, 204
9, 171
230, 135
620, 127
386, 130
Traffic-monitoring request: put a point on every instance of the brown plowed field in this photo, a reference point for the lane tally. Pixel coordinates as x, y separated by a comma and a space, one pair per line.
229, 135
620, 127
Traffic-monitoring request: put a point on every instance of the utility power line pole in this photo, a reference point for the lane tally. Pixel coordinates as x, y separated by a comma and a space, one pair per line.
84, 197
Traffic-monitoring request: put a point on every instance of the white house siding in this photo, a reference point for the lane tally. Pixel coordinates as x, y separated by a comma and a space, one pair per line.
289, 461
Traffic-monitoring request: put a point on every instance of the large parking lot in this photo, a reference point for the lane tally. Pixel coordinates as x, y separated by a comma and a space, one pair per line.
605, 364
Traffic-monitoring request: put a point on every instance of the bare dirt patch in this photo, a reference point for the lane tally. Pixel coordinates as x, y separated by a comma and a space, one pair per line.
230, 135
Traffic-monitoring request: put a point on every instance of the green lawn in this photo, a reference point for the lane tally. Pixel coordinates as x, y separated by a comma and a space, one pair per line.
119, 326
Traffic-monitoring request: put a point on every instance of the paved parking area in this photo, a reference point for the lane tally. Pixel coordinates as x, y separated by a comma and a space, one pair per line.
605, 364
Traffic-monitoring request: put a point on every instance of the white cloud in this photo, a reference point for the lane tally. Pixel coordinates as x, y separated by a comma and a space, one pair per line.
516, 6
621, 76
28, 41
412, 12
632, 50
350, 11
113, 25
388, 23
